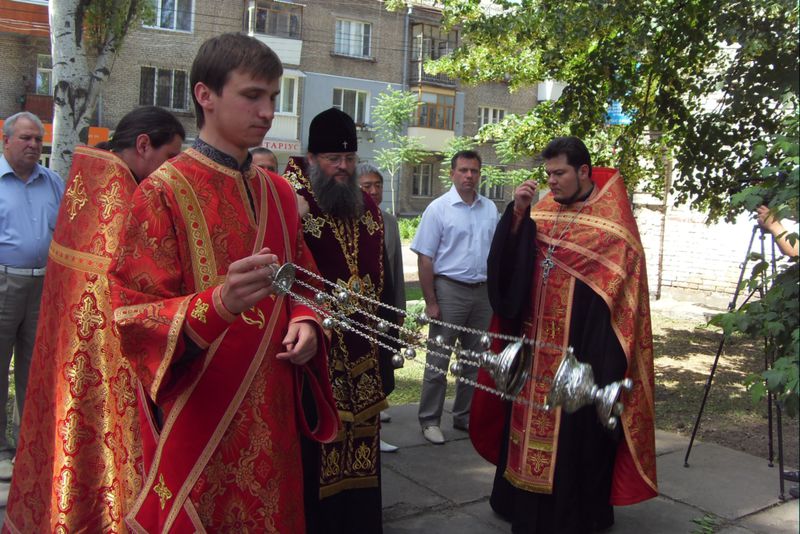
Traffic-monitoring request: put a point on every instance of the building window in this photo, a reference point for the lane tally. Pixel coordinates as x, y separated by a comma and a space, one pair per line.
353, 38
435, 111
166, 88
352, 102
493, 192
490, 115
277, 19
172, 15
421, 178
432, 42
44, 74
287, 100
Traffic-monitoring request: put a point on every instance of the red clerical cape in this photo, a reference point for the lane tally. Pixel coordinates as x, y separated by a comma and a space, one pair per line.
78, 460
602, 249
226, 456
349, 254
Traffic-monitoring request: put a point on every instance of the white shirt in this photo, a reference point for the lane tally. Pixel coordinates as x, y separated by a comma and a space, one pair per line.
457, 236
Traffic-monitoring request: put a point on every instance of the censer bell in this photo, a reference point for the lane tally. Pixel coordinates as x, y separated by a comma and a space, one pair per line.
574, 387
283, 278
509, 369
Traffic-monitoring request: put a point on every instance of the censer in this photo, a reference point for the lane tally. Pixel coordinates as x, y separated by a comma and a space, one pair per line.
572, 387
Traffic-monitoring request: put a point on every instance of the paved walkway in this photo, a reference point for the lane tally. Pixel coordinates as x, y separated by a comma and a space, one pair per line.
445, 488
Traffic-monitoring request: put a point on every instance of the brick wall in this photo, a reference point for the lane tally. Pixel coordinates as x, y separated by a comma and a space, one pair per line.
168, 50
319, 29
19, 70
701, 262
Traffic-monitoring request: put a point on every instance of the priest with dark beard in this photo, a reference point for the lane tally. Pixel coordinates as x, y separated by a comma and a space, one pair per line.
569, 271
344, 231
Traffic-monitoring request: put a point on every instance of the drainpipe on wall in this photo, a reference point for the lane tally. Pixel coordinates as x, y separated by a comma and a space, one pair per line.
395, 185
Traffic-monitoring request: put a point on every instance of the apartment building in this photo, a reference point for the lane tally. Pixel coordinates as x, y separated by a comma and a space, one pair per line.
334, 54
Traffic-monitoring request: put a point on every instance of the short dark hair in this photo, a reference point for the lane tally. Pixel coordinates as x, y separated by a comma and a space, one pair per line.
572, 147
160, 125
466, 154
223, 54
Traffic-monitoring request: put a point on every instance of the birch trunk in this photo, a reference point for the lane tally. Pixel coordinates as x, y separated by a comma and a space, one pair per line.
79, 72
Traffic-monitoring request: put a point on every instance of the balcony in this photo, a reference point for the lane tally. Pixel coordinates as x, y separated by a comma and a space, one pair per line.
284, 127
418, 76
432, 139
39, 105
278, 25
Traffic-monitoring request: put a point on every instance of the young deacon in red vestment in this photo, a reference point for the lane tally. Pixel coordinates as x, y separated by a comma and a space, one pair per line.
221, 359
79, 457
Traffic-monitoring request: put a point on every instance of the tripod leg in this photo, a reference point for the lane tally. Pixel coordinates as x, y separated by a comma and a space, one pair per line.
707, 388
731, 307
762, 290
779, 420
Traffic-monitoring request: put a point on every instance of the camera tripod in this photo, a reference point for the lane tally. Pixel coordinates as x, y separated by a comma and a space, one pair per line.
769, 357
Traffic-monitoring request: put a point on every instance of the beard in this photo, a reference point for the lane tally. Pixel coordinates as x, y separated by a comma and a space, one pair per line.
340, 200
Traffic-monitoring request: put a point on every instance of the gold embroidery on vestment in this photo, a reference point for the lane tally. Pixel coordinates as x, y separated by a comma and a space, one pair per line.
163, 492
363, 460
313, 225
369, 221
259, 321
76, 196
110, 200
200, 310
87, 316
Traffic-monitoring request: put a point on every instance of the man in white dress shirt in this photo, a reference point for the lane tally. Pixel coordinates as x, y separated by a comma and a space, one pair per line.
452, 245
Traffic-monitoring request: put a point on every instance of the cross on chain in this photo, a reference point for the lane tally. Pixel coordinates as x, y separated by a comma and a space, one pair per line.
548, 263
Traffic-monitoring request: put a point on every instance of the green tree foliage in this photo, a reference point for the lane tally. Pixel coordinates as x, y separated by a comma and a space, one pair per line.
775, 317
490, 174
392, 113
711, 77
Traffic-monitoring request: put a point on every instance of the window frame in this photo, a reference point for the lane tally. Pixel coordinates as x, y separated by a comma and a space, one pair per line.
492, 192
419, 178
44, 70
276, 9
156, 22
358, 93
423, 118
154, 101
339, 45
286, 94
495, 115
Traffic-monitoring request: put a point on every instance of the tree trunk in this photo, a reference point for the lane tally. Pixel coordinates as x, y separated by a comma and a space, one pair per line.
79, 78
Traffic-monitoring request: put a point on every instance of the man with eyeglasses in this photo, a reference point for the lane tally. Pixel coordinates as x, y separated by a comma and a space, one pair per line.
345, 233
371, 181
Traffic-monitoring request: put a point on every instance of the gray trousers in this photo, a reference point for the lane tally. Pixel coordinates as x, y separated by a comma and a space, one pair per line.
463, 306
19, 313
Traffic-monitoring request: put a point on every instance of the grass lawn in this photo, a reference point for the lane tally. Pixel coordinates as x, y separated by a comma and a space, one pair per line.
408, 379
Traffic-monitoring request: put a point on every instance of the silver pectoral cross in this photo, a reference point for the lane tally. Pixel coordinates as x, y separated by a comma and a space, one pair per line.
547, 264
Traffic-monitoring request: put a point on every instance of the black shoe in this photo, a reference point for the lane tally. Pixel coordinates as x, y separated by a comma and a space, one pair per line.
464, 427
794, 492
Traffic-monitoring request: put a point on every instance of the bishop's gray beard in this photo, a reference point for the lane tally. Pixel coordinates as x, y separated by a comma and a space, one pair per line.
340, 200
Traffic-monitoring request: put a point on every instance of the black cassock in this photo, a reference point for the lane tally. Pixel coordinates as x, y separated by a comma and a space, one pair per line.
586, 449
